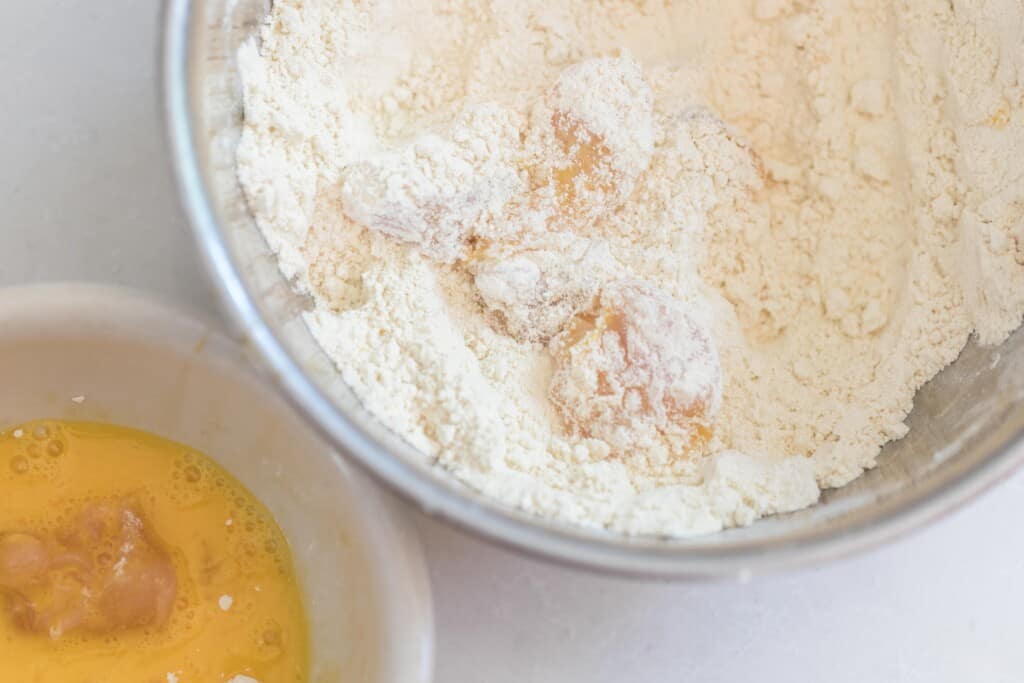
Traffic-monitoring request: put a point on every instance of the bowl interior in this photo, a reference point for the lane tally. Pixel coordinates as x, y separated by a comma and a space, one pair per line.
143, 366
962, 426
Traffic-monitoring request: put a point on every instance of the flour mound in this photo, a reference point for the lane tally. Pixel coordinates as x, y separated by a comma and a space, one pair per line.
830, 192
433, 191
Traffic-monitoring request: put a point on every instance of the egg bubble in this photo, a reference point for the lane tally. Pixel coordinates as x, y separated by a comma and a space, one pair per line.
33, 450
271, 636
193, 474
19, 464
55, 448
41, 433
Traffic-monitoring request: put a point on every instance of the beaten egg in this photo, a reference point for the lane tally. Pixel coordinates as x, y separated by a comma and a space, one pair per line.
127, 558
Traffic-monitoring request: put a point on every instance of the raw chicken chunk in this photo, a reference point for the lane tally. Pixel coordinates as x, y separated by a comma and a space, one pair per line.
104, 573
636, 365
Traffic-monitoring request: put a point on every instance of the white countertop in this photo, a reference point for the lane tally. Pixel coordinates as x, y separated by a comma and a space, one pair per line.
87, 195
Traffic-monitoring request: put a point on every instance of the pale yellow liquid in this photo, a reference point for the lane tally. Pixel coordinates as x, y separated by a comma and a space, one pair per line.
221, 540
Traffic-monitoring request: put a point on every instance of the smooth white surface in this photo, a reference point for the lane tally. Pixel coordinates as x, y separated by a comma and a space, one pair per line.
87, 194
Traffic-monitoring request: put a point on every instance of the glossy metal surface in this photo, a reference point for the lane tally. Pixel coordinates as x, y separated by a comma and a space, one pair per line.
962, 428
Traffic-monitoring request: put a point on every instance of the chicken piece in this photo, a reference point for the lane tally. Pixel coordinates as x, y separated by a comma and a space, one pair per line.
436, 190
105, 572
531, 294
591, 136
636, 365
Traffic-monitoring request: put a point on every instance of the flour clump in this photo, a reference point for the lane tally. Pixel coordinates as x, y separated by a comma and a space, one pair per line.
659, 268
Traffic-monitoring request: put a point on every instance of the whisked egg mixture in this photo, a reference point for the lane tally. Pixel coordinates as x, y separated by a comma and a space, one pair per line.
128, 558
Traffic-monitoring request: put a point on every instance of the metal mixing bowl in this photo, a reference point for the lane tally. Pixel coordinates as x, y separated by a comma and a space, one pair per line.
963, 428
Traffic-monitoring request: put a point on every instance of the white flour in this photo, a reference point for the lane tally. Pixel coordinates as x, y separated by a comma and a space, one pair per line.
832, 192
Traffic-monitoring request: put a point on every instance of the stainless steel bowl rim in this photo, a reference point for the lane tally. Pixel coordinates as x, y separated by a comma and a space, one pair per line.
491, 522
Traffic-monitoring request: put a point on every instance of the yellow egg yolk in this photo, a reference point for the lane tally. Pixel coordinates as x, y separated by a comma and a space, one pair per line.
126, 558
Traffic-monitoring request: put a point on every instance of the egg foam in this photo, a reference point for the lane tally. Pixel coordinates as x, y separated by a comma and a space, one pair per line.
237, 610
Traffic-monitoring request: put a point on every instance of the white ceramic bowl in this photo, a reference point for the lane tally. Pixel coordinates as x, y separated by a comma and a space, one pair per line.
142, 365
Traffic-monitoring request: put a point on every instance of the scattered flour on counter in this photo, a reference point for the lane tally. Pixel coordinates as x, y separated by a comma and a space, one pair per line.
833, 191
